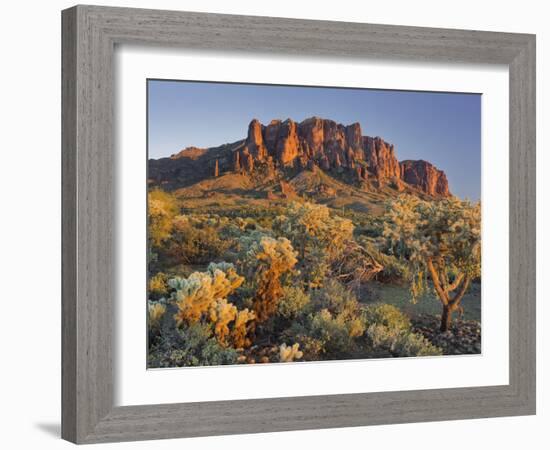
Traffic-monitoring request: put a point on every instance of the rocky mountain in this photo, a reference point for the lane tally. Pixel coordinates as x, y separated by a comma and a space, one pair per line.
290, 147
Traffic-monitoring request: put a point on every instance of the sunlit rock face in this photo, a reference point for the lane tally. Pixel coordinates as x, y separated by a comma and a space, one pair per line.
315, 143
324, 143
426, 177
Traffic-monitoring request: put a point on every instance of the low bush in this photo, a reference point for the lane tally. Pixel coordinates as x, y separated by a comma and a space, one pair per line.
158, 286
393, 271
191, 346
293, 302
192, 243
387, 341
388, 316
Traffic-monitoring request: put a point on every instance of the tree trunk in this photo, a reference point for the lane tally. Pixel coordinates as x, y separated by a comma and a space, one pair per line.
446, 318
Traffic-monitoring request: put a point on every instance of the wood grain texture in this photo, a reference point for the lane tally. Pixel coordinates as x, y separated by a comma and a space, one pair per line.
89, 37
68, 225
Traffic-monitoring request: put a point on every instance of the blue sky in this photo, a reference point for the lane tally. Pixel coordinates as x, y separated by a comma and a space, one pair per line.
443, 128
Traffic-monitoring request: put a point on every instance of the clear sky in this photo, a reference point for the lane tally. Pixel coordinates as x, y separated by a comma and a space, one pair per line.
442, 128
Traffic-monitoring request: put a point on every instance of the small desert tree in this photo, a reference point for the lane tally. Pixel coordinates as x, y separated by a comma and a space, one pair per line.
441, 239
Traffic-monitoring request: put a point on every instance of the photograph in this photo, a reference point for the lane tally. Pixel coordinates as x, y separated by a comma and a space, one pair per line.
295, 224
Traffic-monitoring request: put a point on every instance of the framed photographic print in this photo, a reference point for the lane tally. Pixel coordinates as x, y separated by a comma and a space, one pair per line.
265, 229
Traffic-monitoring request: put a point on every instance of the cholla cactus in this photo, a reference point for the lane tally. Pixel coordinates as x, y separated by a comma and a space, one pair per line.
276, 253
289, 354
220, 314
439, 238
156, 310
310, 224
203, 295
272, 258
318, 237
194, 295
241, 327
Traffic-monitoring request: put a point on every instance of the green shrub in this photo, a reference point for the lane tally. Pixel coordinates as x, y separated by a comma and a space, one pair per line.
332, 323
332, 332
343, 305
293, 302
192, 345
193, 243
386, 341
388, 316
323, 333
394, 270
336, 298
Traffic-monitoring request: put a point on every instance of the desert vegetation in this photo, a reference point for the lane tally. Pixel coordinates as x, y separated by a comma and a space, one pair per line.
238, 278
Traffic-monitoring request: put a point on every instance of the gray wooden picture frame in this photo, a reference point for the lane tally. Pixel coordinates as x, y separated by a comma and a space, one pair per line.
90, 34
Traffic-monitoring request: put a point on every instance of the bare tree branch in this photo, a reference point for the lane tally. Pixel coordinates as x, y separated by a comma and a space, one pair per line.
458, 297
455, 283
437, 284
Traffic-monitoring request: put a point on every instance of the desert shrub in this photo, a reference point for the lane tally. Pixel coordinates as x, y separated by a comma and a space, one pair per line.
389, 333
387, 341
213, 354
326, 334
336, 298
333, 324
293, 302
155, 313
393, 269
332, 331
355, 265
162, 208
195, 241
311, 347
193, 345
158, 286
388, 316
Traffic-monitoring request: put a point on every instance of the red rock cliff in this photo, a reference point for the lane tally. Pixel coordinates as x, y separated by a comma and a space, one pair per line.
425, 176
333, 146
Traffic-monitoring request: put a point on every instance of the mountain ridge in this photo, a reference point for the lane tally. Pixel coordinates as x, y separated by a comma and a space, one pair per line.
290, 147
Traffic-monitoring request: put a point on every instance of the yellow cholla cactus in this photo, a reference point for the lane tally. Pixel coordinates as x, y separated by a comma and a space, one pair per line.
195, 295
289, 354
220, 314
241, 328
274, 258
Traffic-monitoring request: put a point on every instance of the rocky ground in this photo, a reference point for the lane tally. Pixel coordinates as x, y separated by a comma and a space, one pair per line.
464, 337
